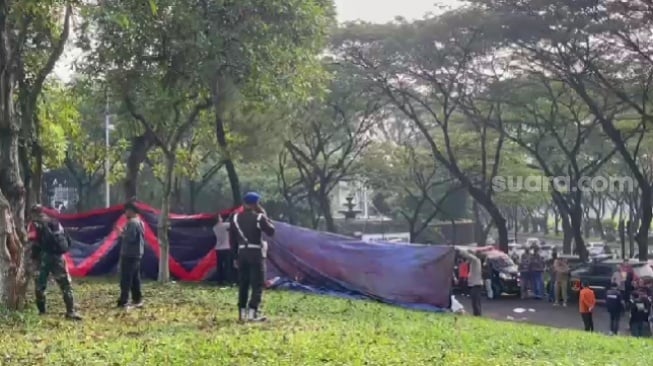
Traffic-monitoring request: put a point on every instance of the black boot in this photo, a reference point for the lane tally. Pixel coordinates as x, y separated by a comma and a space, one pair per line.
71, 314
40, 305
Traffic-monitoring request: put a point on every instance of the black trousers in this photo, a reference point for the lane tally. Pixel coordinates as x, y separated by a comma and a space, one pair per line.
588, 322
615, 319
225, 267
251, 274
476, 294
130, 280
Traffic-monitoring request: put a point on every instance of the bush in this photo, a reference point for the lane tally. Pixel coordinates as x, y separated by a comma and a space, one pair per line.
195, 325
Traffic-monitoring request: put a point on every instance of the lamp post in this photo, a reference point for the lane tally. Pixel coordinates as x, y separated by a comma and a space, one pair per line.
107, 146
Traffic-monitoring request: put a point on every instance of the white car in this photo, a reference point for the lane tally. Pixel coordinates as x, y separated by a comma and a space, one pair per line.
546, 251
515, 249
532, 241
596, 248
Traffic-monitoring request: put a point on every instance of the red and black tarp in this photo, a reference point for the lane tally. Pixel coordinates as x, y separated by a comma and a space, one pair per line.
408, 275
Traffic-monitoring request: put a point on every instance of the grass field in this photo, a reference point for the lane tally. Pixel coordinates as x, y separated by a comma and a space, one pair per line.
195, 325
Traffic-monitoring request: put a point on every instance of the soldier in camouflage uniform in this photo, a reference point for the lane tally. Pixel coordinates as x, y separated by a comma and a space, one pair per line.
49, 263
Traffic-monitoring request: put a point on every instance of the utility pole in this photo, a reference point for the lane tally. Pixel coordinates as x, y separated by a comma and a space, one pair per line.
107, 164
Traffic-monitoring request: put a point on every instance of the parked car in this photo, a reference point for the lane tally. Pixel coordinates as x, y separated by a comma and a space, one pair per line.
532, 241
546, 251
598, 275
505, 276
504, 273
515, 249
597, 248
573, 261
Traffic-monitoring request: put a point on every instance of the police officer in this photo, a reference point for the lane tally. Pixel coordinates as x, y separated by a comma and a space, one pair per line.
250, 250
42, 234
614, 303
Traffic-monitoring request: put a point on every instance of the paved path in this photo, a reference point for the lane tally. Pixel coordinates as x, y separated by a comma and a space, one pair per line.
541, 313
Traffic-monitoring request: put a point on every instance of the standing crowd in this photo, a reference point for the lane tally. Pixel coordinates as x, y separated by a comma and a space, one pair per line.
240, 246
627, 296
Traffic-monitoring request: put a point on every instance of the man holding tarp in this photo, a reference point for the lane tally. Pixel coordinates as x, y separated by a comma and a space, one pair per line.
224, 265
250, 250
475, 280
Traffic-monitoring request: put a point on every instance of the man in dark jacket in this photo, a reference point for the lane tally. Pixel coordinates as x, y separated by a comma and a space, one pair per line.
536, 270
49, 259
132, 246
250, 250
615, 306
640, 309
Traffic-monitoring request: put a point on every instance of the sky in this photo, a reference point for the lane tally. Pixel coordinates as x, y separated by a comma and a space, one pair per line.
375, 11
381, 11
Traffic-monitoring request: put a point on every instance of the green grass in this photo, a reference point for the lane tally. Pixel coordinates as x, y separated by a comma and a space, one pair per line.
195, 325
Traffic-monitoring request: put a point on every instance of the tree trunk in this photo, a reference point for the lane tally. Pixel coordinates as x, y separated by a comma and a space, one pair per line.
192, 196
176, 200
576, 218
140, 146
221, 93
567, 234
164, 220
645, 223
411, 230
229, 165
495, 214
325, 208
478, 224
13, 273
600, 228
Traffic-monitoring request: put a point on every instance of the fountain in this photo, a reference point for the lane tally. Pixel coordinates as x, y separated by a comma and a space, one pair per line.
350, 213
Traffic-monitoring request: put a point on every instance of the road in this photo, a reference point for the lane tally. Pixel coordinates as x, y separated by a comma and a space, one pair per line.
541, 313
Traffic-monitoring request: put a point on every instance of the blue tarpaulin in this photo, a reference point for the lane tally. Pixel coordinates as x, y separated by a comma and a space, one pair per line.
415, 276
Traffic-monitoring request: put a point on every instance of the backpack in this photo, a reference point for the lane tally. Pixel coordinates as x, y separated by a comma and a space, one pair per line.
55, 240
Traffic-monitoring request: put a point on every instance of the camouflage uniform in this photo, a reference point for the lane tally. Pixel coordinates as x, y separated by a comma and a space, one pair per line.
50, 264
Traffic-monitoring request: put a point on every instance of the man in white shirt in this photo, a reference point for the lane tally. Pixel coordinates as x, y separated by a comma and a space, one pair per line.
475, 280
225, 269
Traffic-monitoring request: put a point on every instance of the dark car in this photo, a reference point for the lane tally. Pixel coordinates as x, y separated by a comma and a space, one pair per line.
598, 275
504, 274
575, 262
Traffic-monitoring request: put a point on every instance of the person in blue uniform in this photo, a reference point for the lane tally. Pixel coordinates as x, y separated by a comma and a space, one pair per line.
250, 250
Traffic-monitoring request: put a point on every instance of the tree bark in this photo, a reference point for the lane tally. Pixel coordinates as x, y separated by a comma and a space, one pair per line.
576, 219
140, 146
164, 220
229, 165
325, 208
221, 87
12, 190
567, 234
646, 202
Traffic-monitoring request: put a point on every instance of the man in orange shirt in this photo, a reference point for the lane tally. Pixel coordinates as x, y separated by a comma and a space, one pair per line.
586, 303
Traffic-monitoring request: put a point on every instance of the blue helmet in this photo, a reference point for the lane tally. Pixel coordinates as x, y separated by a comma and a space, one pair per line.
251, 198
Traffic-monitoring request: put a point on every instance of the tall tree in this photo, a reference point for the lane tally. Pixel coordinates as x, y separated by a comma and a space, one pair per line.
327, 137
32, 36
261, 48
550, 122
415, 189
597, 48
433, 70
